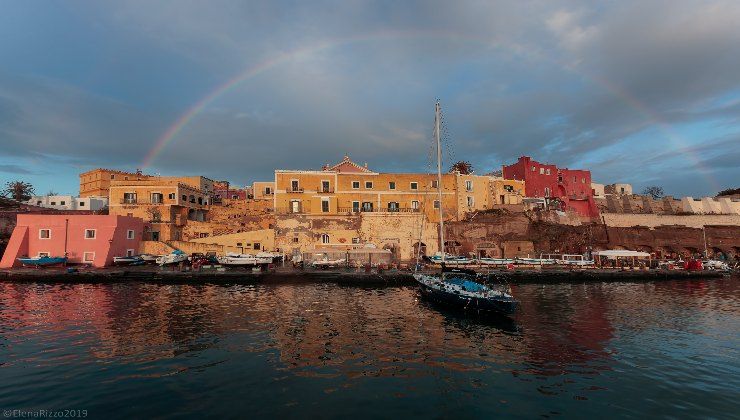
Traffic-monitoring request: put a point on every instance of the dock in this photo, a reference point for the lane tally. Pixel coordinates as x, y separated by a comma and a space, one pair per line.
345, 276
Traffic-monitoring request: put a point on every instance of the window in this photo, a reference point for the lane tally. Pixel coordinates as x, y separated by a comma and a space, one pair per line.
534, 168
622, 190
415, 205
547, 171
38, 203
325, 206
392, 185
560, 177
415, 185
130, 252
89, 233
295, 239
294, 185
61, 203
88, 257
239, 244
367, 206
130, 234
257, 246
547, 191
355, 206
184, 197
295, 206
369, 184
44, 233
53, 203
157, 198
325, 186
268, 190
583, 180
468, 185
393, 206
129, 198
435, 183
436, 204
324, 238
471, 201
192, 198
234, 197
355, 185
125, 178
82, 204
112, 176
574, 179
200, 200
355, 240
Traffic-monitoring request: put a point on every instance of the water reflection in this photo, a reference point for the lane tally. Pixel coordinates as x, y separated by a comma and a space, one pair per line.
567, 339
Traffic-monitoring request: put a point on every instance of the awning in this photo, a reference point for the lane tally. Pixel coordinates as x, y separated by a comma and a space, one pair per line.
614, 253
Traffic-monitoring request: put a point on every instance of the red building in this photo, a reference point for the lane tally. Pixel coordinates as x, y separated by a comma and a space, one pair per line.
83, 239
571, 187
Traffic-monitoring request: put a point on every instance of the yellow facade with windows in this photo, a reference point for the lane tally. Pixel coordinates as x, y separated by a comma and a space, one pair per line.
97, 182
251, 242
263, 190
165, 205
505, 191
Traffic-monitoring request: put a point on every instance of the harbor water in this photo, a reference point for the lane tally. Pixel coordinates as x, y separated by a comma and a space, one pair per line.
305, 350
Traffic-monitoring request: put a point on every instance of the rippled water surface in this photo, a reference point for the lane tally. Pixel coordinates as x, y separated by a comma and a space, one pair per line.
325, 350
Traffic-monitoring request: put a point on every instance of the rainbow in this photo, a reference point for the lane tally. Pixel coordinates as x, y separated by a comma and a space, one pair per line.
172, 131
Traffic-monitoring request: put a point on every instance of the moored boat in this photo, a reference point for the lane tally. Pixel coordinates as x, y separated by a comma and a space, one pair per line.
238, 260
43, 261
129, 260
175, 257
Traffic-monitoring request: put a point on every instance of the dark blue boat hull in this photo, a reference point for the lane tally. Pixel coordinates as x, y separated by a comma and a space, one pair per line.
490, 305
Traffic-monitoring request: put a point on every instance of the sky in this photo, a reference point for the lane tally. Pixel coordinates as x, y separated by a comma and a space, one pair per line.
642, 92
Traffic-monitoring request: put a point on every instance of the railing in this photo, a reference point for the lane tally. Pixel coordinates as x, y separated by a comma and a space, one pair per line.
325, 190
381, 210
140, 201
297, 190
288, 210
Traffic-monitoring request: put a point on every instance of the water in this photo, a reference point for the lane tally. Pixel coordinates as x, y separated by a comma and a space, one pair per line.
665, 349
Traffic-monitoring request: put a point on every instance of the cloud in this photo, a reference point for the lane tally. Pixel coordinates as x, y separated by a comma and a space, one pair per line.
565, 82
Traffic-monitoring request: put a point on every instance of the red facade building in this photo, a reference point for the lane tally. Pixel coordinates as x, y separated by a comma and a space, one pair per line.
569, 189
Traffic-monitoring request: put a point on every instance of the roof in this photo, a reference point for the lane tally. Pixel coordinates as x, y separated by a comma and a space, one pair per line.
347, 165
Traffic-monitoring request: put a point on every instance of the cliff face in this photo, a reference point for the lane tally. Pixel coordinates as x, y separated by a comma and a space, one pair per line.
494, 230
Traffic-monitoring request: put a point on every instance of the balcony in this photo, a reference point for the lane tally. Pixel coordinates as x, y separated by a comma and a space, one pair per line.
140, 201
294, 190
325, 190
374, 210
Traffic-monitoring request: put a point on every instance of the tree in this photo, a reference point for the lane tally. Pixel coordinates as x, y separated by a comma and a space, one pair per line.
654, 191
51, 192
18, 190
464, 167
729, 191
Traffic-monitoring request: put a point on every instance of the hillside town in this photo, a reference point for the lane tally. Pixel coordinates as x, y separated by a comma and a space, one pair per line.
348, 211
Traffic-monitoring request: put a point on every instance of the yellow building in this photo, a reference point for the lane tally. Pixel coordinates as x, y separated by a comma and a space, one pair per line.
97, 182
165, 205
251, 242
505, 191
348, 206
263, 190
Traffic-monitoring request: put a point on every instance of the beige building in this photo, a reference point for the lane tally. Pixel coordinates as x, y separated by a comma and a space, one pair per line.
165, 205
618, 189
263, 190
251, 242
96, 183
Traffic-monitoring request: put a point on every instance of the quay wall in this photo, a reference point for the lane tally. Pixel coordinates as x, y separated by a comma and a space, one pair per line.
655, 220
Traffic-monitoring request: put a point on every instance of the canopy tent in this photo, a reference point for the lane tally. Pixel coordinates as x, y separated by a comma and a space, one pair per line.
616, 253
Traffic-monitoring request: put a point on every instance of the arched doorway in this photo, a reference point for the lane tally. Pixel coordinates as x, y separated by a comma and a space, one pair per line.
420, 248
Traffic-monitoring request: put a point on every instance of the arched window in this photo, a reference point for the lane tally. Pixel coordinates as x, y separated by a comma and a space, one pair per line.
324, 238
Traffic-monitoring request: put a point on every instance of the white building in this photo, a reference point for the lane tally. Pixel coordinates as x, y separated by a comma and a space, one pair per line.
68, 202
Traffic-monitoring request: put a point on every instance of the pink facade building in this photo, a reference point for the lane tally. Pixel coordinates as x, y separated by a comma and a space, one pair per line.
84, 239
571, 187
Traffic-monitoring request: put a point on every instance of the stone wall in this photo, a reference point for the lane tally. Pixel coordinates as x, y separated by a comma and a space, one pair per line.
655, 220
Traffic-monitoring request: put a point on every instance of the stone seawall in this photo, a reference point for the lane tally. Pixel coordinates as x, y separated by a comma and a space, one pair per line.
655, 220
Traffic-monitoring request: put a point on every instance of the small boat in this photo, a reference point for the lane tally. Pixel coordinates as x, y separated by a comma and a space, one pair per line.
458, 288
43, 261
238, 260
495, 261
132, 260
536, 261
464, 291
451, 259
149, 258
266, 257
175, 257
327, 263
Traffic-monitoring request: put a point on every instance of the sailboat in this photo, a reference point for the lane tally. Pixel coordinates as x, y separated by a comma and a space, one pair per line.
456, 287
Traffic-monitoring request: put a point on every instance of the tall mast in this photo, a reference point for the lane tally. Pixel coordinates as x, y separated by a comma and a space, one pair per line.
437, 118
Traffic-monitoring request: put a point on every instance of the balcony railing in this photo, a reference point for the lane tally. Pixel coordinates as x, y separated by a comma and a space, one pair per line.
325, 190
295, 190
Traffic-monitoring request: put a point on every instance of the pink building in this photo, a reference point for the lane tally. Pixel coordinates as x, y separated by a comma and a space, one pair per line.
85, 239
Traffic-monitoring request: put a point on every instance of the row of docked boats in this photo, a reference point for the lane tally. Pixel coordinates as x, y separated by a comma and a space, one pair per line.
545, 259
173, 258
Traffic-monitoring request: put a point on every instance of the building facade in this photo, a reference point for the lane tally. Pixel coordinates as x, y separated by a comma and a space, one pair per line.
68, 202
618, 189
84, 239
96, 183
263, 190
563, 188
164, 204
